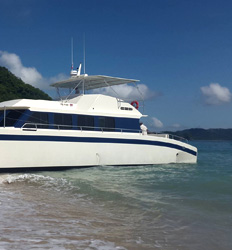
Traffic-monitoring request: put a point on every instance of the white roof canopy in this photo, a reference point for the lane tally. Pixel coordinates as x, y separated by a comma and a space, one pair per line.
92, 82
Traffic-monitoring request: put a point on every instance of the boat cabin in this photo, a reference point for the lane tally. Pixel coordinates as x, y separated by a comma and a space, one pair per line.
85, 112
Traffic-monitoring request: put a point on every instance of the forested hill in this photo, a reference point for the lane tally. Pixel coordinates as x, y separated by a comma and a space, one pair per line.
11, 87
204, 134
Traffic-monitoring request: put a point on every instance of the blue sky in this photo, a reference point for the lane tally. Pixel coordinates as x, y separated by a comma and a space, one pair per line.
180, 50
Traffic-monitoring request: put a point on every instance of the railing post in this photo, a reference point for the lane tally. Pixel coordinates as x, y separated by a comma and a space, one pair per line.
4, 124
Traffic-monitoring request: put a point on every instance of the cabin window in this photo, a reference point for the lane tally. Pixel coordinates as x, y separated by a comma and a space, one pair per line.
126, 108
37, 120
12, 116
63, 121
127, 124
85, 122
107, 123
1, 115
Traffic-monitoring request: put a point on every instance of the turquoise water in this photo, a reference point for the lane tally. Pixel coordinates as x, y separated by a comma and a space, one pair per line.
177, 206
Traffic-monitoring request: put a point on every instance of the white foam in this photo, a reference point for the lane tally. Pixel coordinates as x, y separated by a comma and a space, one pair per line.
23, 177
34, 179
103, 245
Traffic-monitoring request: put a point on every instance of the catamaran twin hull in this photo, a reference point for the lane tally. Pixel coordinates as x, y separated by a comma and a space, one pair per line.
36, 149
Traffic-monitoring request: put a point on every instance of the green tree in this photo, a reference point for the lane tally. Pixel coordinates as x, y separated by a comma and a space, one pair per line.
11, 87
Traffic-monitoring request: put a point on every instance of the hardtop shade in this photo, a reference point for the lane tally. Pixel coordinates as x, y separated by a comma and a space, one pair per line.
92, 82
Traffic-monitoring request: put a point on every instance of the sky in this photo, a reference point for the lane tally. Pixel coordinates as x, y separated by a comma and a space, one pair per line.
180, 50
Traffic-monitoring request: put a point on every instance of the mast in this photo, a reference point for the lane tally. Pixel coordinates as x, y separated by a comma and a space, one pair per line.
84, 51
83, 86
72, 53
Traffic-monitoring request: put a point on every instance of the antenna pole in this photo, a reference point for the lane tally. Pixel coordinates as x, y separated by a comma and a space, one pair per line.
72, 52
83, 86
84, 50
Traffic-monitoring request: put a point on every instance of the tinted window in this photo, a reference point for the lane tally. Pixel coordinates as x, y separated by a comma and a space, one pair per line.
63, 120
85, 122
127, 124
1, 114
67, 120
57, 119
12, 116
37, 119
107, 123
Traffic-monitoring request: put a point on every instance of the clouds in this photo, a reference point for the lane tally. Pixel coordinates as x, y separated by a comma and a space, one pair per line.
138, 92
32, 76
157, 123
14, 64
27, 74
215, 94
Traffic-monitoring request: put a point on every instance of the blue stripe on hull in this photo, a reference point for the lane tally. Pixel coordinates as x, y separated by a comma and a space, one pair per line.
93, 140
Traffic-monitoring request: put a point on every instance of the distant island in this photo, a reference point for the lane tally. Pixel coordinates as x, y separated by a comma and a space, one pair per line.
204, 134
12, 87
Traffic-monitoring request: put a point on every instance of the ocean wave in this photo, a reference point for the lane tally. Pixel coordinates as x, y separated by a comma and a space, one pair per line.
31, 178
102, 245
61, 244
36, 179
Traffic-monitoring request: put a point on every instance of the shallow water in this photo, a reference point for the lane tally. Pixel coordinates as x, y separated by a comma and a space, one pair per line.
177, 206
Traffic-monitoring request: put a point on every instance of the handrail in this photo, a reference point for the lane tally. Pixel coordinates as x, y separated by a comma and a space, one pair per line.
71, 127
178, 138
102, 129
170, 136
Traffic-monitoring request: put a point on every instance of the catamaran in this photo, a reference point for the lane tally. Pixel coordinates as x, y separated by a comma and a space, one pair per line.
83, 130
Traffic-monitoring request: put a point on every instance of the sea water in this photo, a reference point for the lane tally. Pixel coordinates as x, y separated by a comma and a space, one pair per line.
175, 206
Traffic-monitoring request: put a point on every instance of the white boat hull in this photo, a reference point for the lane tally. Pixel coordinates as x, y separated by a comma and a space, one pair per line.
60, 148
